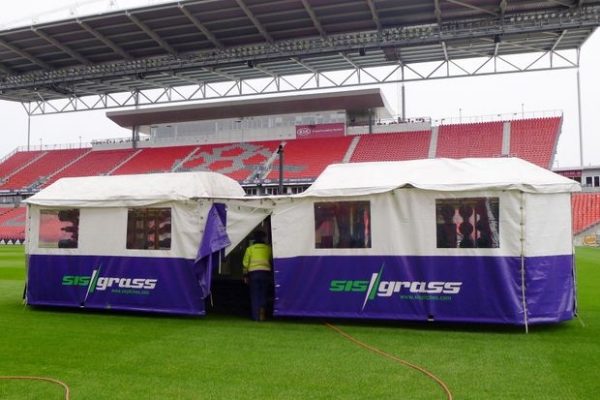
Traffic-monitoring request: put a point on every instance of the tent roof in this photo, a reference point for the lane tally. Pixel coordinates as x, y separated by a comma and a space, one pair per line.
136, 190
442, 174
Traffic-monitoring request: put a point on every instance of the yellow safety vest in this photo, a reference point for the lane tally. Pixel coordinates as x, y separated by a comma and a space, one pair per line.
257, 258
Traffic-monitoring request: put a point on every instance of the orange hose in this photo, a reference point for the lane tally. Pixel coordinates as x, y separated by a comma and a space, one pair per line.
40, 378
394, 358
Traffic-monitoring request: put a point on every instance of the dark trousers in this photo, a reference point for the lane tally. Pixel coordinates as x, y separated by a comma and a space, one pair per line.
260, 282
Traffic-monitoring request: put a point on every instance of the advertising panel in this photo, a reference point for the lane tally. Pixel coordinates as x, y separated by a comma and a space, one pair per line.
320, 130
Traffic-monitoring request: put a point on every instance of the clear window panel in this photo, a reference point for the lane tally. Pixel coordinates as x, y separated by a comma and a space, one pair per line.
468, 222
59, 229
342, 225
149, 228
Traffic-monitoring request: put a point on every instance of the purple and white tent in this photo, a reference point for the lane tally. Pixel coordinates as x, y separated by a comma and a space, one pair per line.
472, 240
133, 242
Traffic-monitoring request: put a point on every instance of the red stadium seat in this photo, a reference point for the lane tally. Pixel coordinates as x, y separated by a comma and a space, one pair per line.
154, 159
44, 166
12, 223
535, 140
16, 161
586, 211
392, 147
470, 140
306, 158
97, 162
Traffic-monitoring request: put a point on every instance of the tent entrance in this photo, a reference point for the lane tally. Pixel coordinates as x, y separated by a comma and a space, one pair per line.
230, 295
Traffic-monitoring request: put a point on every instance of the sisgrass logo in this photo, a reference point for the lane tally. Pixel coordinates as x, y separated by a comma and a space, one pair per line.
407, 290
116, 285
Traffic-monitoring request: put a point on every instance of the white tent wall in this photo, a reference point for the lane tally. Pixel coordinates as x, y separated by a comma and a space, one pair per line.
403, 222
243, 216
548, 224
404, 275
103, 231
95, 268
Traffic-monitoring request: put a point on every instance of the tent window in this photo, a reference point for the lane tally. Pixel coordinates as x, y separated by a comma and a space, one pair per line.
59, 229
342, 225
468, 222
149, 228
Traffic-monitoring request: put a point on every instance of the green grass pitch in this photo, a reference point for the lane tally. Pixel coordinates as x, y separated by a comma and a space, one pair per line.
109, 355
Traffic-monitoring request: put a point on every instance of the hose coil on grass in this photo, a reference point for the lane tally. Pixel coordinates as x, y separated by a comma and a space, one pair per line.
40, 378
392, 357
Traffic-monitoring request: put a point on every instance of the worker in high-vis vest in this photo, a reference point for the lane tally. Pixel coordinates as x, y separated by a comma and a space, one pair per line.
258, 274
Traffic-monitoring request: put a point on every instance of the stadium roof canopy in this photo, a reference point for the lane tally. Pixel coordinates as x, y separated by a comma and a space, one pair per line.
203, 43
355, 100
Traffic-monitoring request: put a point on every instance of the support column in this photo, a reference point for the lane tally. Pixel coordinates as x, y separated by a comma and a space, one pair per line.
28, 130
579, 122
135, 136
280, 152
403, 97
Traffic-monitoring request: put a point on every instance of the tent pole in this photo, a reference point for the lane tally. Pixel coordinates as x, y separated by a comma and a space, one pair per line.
574, 273
523, 294
219, 262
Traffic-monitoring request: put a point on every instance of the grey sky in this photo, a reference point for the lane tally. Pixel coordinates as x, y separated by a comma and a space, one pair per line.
501, 94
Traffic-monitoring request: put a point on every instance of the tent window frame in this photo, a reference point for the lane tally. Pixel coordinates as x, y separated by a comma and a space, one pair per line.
57, 220
468, 222
149, 228
342, 224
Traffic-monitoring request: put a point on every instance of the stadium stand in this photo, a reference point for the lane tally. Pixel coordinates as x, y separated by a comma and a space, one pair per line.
392, 147
12, 224
155, 159
237, 160
17, 161
99, 162
535, 140
586, 211
532, 139
470, 140
42, 167
306, 158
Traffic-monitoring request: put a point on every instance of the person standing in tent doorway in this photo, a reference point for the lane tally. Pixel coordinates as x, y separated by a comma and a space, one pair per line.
257, 273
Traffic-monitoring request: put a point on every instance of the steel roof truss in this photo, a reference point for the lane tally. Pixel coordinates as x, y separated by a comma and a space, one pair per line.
483, 64
5, 70
60, 46
437, 11
162, 43
558, 40
374, 14
473, 7
255, 21
200, 26
564, 3
106, 41
24, 54
45, 105
314, 18
573, 63
456, 65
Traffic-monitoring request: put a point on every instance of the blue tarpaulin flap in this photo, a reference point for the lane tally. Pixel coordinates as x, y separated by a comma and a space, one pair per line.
213, 242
